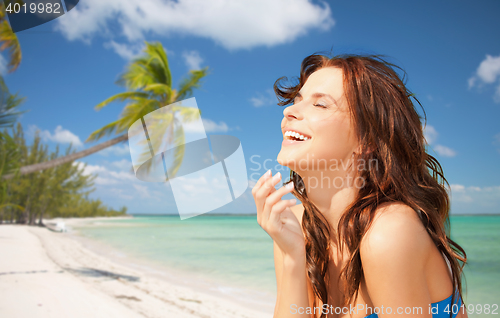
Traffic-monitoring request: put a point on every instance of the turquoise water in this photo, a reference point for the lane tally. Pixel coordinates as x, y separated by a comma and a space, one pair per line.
230, 249
235, 249
479, 236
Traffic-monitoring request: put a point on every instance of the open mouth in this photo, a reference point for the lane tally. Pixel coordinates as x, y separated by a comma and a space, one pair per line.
295, 136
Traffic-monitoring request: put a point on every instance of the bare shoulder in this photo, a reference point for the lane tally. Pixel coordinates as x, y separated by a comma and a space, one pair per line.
396, 230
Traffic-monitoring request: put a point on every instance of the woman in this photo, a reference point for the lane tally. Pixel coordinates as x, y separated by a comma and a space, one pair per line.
369, 238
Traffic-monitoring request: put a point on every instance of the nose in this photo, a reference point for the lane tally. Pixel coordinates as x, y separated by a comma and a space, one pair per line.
291, 112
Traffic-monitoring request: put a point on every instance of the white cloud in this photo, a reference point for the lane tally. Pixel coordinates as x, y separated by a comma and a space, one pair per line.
116, 180
126, 51
208, 124
232, 24
489, 69
473, 199
60, 135
123, 164
89, 169
445, 151
142, 190
98, 171
122, 194
431, 135
106, 176
264, 99
212, 126
487, 73
193, 60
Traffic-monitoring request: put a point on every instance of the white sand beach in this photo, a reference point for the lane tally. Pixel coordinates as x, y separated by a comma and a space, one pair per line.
48, 274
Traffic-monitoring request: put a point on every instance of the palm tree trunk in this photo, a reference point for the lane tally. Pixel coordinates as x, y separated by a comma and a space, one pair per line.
42, 212
68, 158
23, 217
32, 218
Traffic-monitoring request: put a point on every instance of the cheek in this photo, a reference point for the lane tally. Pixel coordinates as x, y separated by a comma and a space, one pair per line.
334, 138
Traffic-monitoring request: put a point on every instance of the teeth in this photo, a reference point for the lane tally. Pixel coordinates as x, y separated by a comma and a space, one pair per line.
295, 135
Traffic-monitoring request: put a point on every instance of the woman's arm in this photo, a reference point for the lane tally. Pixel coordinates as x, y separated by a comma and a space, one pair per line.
276, 218
292, 296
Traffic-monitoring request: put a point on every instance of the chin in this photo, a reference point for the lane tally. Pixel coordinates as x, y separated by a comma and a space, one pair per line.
289, 161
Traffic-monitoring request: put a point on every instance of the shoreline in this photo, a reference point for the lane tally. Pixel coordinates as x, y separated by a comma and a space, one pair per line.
128, 289
250, 298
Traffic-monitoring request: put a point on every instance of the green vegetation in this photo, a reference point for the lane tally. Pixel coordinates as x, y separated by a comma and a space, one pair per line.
37, 184
61, 191
9, 40
148, 83
58, 192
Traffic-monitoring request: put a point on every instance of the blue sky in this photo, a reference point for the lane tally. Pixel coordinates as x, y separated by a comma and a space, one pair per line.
449, 49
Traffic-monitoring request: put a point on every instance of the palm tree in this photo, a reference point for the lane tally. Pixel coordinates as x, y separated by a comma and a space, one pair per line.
9, 153
8, 39
149, 87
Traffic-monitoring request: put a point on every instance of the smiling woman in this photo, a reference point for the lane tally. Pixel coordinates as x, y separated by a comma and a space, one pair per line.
382, 245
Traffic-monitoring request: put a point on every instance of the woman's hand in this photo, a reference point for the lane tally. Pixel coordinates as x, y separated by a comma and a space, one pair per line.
275, 217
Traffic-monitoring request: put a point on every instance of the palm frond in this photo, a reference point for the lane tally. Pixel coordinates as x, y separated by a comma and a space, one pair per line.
179, 143
136, 75
159, 130
8, 105
10, 42
101, 132
9, 154
121, 97
188, 114
149, 68
134, 111
191, 82
158, 56
158, 89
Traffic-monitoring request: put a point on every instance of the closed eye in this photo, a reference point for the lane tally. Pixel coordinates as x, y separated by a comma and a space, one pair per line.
320, 105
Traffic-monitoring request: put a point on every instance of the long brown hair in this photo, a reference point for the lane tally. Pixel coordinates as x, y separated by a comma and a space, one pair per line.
387, 123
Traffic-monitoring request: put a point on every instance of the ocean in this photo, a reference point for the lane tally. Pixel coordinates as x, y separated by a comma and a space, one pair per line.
235, 252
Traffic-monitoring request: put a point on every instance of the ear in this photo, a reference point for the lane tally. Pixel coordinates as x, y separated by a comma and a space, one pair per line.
369, 149
366, 150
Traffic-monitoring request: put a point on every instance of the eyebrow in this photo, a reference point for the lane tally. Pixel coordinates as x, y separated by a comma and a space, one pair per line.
319, 95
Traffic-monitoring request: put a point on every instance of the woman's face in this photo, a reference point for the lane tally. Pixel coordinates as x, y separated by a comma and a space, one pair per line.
321, 115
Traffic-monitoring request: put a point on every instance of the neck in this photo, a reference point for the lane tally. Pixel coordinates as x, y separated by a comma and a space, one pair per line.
331, 192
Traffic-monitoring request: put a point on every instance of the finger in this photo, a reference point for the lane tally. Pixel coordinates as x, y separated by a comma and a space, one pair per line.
261, 195
267, 188
275, 221
274, 198
261, 180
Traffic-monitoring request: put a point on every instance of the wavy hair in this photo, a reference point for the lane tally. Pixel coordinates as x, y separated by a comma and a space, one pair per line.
387, 123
